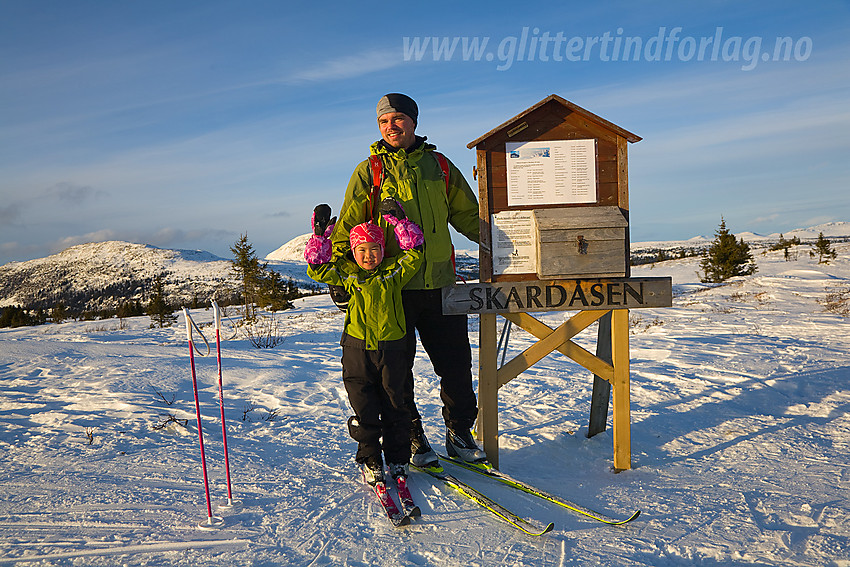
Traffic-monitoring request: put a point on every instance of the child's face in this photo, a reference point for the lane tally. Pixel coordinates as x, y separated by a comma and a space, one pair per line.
368, 255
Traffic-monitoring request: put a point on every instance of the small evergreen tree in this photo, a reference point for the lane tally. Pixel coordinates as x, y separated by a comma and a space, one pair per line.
129, 308
726, 257
159, 310
59, 312
250, 271
276, 294
823, 249
785, 244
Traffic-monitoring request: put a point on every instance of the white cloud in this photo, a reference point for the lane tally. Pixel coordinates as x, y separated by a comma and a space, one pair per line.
348, 66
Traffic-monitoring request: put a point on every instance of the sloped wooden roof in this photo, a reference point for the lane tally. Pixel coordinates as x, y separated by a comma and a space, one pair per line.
572, 107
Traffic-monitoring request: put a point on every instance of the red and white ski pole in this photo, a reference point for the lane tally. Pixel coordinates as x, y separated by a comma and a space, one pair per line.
230, 502
212, 522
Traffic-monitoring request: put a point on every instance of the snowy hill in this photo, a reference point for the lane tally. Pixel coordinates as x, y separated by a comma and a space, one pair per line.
291, 251
100, 275
740, 407
839, 231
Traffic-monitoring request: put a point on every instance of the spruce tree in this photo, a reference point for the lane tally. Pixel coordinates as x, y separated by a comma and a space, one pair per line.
59, 312
726, 257
824, 250
276, 293
159, 310
249, 270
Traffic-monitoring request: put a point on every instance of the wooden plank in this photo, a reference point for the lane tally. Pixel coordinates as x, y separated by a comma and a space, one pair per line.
568, 236
623, 173
558, 295
485, 256
583, 218
601, 396
607, 194
602, 258
575, 352
547, 344
622, 417
488, 389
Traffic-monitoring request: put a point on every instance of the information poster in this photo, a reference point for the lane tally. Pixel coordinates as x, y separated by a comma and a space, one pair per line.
513, 247
557, 172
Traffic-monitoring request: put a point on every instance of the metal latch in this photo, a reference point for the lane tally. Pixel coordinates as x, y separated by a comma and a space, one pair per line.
581, 243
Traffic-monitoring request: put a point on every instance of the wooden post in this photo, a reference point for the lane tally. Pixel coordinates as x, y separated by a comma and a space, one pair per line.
601, 388
620, 357
488, 388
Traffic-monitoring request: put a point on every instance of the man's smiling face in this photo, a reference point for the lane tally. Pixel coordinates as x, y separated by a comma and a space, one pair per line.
397, 129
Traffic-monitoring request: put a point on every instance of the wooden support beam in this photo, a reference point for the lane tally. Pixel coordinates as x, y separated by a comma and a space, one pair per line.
547, 344
568, 348
488, 389
620, 357
601, 397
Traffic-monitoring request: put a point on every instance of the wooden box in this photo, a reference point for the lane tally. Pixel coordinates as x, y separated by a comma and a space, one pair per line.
581, 242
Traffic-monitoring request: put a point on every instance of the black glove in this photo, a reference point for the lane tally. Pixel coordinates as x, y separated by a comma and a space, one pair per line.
321, 219
390, 206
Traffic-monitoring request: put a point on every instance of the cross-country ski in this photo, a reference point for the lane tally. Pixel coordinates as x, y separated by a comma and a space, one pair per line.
493, 473
462, 488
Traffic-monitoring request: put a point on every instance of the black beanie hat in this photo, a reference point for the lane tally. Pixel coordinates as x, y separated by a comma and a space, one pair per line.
397, 102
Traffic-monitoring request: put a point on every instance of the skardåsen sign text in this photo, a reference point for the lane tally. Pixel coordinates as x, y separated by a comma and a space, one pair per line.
558, 295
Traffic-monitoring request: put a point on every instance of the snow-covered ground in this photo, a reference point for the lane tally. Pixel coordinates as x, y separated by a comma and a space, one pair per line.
740, 441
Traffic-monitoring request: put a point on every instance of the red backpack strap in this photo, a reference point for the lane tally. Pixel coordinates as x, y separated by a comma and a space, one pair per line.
444, 165
376, 167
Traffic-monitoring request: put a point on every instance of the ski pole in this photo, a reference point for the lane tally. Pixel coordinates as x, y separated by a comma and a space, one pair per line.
211, 522
217, 312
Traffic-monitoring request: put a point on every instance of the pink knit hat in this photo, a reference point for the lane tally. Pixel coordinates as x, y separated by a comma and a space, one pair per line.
367, 232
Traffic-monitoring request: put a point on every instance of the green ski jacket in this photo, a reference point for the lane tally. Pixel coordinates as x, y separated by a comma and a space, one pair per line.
374, 319
416, 181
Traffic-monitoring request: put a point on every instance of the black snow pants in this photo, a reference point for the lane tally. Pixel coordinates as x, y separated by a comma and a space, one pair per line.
376, 382
446, 341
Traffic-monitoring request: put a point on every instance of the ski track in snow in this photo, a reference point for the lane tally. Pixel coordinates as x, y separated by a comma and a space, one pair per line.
740, 434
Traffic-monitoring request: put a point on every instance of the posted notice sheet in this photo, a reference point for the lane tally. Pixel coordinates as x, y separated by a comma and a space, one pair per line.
557, 172
513, 246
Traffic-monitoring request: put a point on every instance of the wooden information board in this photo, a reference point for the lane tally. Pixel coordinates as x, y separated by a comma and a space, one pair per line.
553, 207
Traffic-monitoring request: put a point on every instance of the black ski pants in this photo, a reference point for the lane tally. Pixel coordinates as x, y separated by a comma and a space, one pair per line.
446, 341
376, 382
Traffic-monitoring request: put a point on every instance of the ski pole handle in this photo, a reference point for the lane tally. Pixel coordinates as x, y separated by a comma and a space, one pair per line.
188, 325
217, 313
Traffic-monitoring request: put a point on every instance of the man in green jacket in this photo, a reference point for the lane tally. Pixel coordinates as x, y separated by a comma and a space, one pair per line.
412, 175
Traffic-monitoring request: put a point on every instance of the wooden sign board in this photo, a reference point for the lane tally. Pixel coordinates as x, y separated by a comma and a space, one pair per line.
558, 295
547, 157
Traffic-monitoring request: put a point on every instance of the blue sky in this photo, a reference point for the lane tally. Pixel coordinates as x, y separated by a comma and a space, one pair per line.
185, 124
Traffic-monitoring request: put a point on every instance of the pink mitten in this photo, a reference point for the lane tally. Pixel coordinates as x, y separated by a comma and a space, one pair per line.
408, 234
318, 250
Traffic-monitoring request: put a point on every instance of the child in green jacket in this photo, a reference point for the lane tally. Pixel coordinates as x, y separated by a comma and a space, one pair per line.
374, 355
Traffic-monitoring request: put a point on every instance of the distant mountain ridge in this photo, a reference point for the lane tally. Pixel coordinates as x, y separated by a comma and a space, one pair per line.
101, 275
837, 230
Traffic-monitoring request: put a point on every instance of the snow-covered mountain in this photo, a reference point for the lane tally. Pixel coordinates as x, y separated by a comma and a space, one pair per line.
100, 275
832, 230
292, 251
